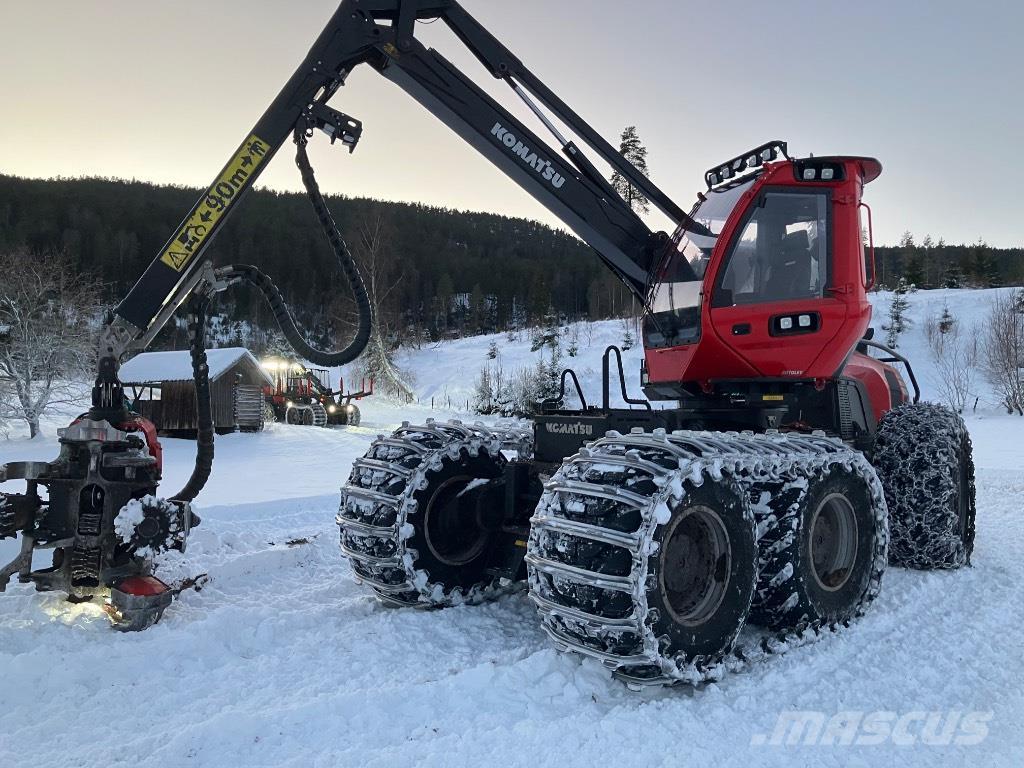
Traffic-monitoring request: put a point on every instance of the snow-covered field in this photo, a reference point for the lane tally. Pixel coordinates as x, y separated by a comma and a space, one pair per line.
280, 660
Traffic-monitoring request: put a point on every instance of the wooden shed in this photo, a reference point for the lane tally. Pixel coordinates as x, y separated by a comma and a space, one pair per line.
160, 385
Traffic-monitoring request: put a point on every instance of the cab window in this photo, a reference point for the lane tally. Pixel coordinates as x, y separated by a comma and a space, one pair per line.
781, 253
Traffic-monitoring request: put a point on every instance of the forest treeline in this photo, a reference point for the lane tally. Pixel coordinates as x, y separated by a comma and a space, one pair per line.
438, 272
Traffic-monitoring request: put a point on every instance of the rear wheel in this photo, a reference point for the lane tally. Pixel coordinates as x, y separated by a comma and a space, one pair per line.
823, 551
924, 459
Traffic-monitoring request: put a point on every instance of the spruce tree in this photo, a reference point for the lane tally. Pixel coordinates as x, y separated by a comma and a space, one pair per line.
631, 148
897, 309
953, 277
914, 270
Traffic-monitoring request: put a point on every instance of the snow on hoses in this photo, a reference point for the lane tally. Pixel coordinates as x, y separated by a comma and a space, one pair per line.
923, 458
603, 529
387, 503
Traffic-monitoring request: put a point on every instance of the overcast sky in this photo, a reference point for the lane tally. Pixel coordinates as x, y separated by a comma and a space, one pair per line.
165, 91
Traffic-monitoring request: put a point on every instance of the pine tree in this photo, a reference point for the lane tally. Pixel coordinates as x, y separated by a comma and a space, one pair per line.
928, 246
628, 340
635, 152
947, 321
993, 277
484, 394
574, 341
477, 309
492, 350
547, 334
914, 270
983, 267
445, 291
953, 277
897, 323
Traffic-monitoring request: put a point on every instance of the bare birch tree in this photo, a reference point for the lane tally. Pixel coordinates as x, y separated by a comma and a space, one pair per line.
956, 352
381, 270
1004, 350
46, 333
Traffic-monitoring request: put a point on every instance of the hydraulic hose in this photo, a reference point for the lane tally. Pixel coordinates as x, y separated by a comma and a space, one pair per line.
205, 430
345, 260
204, 411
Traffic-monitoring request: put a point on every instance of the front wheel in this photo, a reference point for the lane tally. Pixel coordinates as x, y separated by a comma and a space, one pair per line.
354, 416
924, 459
410, 520
704, 572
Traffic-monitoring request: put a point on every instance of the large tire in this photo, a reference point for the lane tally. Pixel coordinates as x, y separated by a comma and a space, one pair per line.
701, 578
644, 559
924, 459
354, 417
267, 416
823, 556
403, 526
318, 414
610, 583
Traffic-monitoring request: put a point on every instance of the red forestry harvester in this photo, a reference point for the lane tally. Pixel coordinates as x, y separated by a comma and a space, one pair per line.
774, 469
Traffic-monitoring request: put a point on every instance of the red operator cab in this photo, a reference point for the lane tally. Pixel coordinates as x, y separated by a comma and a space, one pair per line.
770, 301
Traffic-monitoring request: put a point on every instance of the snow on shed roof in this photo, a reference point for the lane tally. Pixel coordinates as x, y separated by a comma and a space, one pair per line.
177, 366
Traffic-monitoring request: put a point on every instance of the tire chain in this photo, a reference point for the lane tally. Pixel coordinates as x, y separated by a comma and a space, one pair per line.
918, 444
378, 499
604, 505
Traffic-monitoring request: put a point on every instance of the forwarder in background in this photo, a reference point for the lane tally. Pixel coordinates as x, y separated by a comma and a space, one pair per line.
301, 395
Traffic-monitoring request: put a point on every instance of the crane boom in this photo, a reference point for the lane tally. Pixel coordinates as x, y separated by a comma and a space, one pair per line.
380, 33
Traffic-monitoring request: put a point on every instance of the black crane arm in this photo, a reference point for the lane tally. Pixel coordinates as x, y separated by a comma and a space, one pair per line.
380, 33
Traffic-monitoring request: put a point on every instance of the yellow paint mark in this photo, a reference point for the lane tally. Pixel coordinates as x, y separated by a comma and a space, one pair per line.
222, 193
772, 397
520, 543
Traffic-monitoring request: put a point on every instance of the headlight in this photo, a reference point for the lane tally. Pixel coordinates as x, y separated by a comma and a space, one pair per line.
350, 408
288, 404
331, 409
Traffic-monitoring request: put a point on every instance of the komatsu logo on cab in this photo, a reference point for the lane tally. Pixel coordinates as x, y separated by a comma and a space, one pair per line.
528, 156
579, 428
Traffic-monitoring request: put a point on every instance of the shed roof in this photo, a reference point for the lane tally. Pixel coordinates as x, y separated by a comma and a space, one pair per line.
152, 367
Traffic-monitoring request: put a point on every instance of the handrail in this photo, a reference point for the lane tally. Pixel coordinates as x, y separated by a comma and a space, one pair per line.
896, 357
554, 401
622, 380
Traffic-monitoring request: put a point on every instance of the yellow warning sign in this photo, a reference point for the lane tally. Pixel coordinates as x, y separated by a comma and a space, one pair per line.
219, 197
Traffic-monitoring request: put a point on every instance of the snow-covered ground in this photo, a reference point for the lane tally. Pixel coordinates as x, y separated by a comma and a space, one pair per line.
280, 660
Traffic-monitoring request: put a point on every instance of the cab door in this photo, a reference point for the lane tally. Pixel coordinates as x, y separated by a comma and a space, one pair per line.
770, 301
